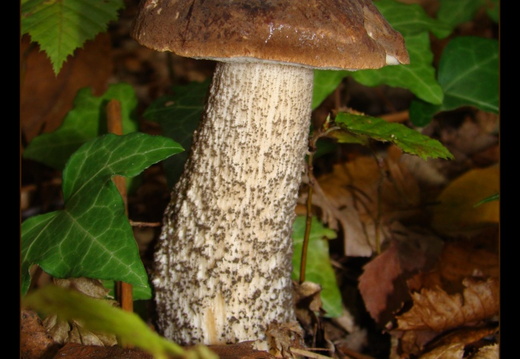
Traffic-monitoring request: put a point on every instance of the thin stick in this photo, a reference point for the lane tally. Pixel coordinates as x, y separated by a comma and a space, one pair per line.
115, 126
308, 218
312, 182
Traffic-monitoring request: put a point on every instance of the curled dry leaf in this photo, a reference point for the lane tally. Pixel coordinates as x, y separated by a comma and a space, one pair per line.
383, 282
488, 352
282, 337
448, 351
34, 340
73, 332
357, 197
437, 310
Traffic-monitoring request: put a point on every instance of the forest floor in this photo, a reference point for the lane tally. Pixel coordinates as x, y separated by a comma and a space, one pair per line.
427, 279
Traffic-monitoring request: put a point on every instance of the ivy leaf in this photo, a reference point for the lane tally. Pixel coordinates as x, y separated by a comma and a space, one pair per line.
363, 127
98, 315
325, 82
454, 13
411, 19
418, 76
62, 26
468, 74
84, 122
91, 237
318, 267
179, 115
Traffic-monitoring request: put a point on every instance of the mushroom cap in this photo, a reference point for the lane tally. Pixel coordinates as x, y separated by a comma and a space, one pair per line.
327, 34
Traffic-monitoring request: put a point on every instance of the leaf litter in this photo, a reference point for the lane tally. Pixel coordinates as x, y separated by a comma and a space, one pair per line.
382, 208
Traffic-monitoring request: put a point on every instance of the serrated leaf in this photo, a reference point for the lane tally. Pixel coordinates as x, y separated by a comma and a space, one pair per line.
91, 237
418, 76
468, 75
98, 315
411, 19
61, 26
179, 115
405, 138
318, 267
84, 122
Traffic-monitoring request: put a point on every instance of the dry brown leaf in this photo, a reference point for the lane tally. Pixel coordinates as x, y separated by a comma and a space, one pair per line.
75, 351
73, 332
456, 212
35, 342
46, 98
469, 336
460, 259
357, 197
383, 282
448, 351
282, 337
437, 310
378, 282
488, 352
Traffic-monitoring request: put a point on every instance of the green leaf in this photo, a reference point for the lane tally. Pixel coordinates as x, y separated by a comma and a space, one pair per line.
84, 122
494, 197
411, 19
319, 268
493, 10
405, 138
179, 115
457, 12
98, 315
468, 74
325, 82
91, 237
62, 26
418, 76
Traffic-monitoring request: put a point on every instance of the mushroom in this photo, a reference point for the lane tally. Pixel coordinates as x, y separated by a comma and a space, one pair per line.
223, 260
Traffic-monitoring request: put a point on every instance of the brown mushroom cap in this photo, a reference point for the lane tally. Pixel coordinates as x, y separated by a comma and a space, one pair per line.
329, 34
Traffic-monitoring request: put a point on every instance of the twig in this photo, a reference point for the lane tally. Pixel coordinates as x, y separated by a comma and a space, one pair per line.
323, 131
115, 126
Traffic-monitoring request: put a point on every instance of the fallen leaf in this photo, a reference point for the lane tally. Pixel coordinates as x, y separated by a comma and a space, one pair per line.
35, 342
465, 257
98, 315
488, 352
457, 212
383, 283
469, 336
243, 350
437, 310
449, 351
355, 197
75, 350
379, 281
46, 98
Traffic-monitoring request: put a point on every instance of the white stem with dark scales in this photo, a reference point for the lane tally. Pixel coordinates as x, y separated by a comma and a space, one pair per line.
223, 262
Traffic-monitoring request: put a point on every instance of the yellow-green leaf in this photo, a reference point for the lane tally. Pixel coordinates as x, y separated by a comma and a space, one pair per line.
100, 316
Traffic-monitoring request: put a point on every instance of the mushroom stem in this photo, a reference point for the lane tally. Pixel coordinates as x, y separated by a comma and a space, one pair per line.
223, 262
